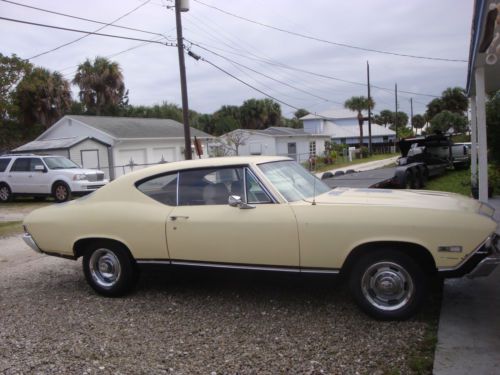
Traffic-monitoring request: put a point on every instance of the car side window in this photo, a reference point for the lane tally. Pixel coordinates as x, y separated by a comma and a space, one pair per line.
35, 162
162, 189
255, 192
21, 165
4, 163
209, 186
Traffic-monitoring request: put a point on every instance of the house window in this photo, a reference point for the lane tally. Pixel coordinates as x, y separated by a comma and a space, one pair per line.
312, 148
386, 138
343, 141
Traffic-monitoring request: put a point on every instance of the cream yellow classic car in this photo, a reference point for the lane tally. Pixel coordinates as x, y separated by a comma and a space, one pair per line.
269, 213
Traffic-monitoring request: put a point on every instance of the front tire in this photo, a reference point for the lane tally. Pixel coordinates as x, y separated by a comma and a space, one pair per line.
61, 192
5, 193
109, 269
388, 285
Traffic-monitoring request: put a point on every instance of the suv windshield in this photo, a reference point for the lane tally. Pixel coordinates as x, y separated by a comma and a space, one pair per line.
293, 181
59, 163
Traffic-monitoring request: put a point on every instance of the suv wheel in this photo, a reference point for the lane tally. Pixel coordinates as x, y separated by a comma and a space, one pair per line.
5, 193
61, 192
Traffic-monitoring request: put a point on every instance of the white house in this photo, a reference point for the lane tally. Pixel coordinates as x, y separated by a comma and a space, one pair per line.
115, 145
276, 141
343, 127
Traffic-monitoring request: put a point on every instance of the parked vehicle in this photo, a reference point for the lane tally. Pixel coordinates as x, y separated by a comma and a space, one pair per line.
42, 175
421, 158
270, 214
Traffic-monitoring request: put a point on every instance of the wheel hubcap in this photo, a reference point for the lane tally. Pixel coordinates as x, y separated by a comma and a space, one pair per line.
4, 193
105, 268
61, 192
387, 286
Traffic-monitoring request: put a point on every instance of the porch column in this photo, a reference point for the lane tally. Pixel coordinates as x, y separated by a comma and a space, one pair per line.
473, 140
481, 134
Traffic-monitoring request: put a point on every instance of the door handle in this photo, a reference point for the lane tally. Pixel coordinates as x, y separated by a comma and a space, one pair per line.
174, 218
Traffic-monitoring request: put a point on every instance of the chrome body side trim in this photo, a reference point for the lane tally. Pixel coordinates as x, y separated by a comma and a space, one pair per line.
238, 266
472, 253
31, 242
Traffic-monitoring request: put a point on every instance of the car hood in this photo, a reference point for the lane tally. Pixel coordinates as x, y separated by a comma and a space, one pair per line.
400, 198
79, 170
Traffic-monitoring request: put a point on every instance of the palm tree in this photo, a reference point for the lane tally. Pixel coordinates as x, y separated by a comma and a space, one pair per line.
359, 104
101, 85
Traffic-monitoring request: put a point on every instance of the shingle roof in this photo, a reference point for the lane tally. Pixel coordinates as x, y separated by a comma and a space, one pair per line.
51, 144
352, 131
281, 130
136, 127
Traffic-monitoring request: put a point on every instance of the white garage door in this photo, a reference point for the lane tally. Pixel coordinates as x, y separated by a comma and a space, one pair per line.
162, 154
130, 160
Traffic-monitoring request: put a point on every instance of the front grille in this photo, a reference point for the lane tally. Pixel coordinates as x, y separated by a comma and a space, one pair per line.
95, 177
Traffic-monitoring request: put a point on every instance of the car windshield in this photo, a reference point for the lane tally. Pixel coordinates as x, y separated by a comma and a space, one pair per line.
293, 181
59, 163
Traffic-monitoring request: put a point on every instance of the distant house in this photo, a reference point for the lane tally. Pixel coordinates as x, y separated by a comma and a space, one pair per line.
295, 143
343, 127
115, 145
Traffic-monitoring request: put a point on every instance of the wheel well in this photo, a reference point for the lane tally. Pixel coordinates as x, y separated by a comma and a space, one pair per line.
81, 246
58, 182
416, 252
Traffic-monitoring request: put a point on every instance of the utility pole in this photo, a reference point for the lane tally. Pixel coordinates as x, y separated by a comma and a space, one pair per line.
411, 113
183, 6
396, 112
369, 110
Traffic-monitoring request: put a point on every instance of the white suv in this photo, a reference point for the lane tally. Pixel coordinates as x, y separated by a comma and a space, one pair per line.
37, 175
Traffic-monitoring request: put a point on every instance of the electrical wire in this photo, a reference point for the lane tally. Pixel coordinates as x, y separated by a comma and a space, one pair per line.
81, 18
86, 32
310, 37
90, 33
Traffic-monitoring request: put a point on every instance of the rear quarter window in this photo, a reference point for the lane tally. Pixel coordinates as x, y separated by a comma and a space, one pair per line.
4, 162
162, 189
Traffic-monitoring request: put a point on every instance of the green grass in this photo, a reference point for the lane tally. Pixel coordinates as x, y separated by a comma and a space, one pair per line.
453, 181
10, 228
340, 163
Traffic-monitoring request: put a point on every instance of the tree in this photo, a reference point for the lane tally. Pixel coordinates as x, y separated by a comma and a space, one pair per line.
434, 107
42, 97
418, 121
446, 120
12, 70
229, 144
301, 112
359, 104
102, 89
260, 113
385, 117
454, 100
493, 126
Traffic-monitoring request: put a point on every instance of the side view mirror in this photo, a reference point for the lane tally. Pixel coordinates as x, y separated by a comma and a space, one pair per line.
40, 168
235, 201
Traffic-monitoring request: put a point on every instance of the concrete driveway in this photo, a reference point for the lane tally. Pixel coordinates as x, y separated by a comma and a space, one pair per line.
469, 326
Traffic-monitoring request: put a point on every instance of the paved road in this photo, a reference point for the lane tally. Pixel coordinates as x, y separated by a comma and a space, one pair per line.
364, 166
469, 326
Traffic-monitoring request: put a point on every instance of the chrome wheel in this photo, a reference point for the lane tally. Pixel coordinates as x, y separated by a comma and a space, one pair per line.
387, 286
105, 268
4, 193
61, 193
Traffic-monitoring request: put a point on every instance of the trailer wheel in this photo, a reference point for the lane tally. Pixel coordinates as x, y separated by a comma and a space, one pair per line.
419, 178
409, 179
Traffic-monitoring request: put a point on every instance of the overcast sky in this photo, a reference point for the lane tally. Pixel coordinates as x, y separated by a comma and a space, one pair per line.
433, 28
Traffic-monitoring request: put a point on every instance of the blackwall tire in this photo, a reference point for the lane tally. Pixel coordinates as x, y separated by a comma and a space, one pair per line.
109, 269
5, 193
388, 285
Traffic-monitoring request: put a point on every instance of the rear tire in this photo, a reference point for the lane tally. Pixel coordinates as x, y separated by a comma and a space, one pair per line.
109, 269
388, 285
409, 179
5, 193
61, 192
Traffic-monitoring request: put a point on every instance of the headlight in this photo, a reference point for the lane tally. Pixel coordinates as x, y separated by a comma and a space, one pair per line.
79, 177
486, 210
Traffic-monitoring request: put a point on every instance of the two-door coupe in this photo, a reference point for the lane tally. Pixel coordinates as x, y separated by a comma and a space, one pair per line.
269, 213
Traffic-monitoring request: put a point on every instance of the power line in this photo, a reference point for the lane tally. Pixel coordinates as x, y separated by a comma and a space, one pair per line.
269, 77
90, 33
87, 32
310, 37
81, 18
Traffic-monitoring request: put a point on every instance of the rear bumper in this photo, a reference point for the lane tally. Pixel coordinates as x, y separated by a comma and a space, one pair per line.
480, 263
